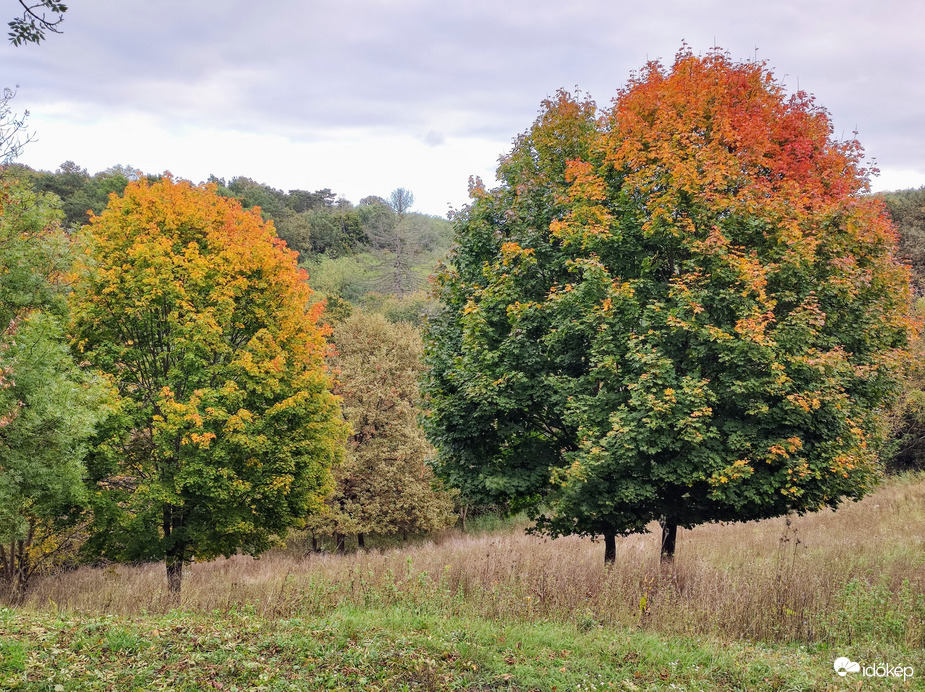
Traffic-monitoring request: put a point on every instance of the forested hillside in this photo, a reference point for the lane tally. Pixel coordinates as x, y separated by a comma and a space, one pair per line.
376, 253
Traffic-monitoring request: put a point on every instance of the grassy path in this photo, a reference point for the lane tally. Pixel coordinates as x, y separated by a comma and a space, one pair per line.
394, 649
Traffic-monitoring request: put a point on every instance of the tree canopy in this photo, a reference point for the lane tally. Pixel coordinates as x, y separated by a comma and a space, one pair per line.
681, 309
385, 485
201, 317
49, 406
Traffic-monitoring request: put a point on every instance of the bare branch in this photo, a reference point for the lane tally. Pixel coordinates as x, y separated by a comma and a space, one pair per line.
13, 132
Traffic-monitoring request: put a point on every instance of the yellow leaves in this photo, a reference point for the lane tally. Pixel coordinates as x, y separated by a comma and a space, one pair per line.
753, 328
703, 412
777, 450
238, 422
200, 440
586, 185
804, 402
739, 470
575, 472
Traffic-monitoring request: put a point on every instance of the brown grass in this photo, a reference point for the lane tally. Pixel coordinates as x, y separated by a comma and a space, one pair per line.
853, 575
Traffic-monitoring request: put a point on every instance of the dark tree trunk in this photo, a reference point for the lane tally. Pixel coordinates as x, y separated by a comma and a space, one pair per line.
12, 573
669, 538
174, 573
175, 555
314, 543
361, 541
610, 548
463, 511
340, 542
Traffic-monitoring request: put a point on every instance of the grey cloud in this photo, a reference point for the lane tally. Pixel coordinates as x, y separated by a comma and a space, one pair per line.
477, 68
434, 138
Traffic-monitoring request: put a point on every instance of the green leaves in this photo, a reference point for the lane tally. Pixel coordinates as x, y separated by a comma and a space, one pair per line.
31, 27
682, 310
49, 406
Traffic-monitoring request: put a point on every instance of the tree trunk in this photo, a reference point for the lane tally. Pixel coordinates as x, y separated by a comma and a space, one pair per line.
11, 574
314, 543
175, 570
340, 542
463, 512
610, 548
669, 538
361, 541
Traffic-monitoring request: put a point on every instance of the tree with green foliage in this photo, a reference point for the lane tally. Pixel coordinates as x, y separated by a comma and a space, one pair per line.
385, 486
907, 209
82, 194
682, 309
53, 408
201, 317
49, 407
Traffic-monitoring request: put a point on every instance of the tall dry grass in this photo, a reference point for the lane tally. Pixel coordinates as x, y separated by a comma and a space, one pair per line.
848, 576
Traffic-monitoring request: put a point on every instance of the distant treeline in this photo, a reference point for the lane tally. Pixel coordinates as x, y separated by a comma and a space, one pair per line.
376, 254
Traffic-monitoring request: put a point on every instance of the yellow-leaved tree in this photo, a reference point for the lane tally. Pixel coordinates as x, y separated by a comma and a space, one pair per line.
230, 429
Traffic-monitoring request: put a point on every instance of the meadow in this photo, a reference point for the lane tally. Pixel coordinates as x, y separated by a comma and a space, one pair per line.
758, 605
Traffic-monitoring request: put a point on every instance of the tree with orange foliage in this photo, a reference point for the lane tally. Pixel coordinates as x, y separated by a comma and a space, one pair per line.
200, 315
683, 309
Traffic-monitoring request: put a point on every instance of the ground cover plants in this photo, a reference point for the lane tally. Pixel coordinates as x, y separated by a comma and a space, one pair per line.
758, 605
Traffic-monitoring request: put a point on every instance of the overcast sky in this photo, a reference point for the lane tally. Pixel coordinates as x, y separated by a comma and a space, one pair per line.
363, 96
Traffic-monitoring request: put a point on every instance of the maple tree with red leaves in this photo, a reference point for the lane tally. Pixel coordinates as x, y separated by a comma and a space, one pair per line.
683, 309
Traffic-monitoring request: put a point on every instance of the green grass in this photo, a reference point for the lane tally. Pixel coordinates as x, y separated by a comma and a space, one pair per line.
758, 606
390, 649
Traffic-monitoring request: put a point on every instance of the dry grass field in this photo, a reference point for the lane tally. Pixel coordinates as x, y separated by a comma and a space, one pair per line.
855, 576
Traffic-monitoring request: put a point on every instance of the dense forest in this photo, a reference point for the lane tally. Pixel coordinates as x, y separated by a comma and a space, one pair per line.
376, 253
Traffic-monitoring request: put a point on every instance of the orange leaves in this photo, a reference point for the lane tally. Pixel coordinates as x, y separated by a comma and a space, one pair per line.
182, 287
723, 132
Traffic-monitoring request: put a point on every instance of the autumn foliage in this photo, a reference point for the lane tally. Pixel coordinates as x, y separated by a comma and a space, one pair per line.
681, 309
385, 486
199, 314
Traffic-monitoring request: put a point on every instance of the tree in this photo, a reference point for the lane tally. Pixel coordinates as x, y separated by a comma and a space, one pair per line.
31, 27
199, 314
13, 134
907, 209
681, 310
401, 201
53, 408
392, 233
49, 407
385, 486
